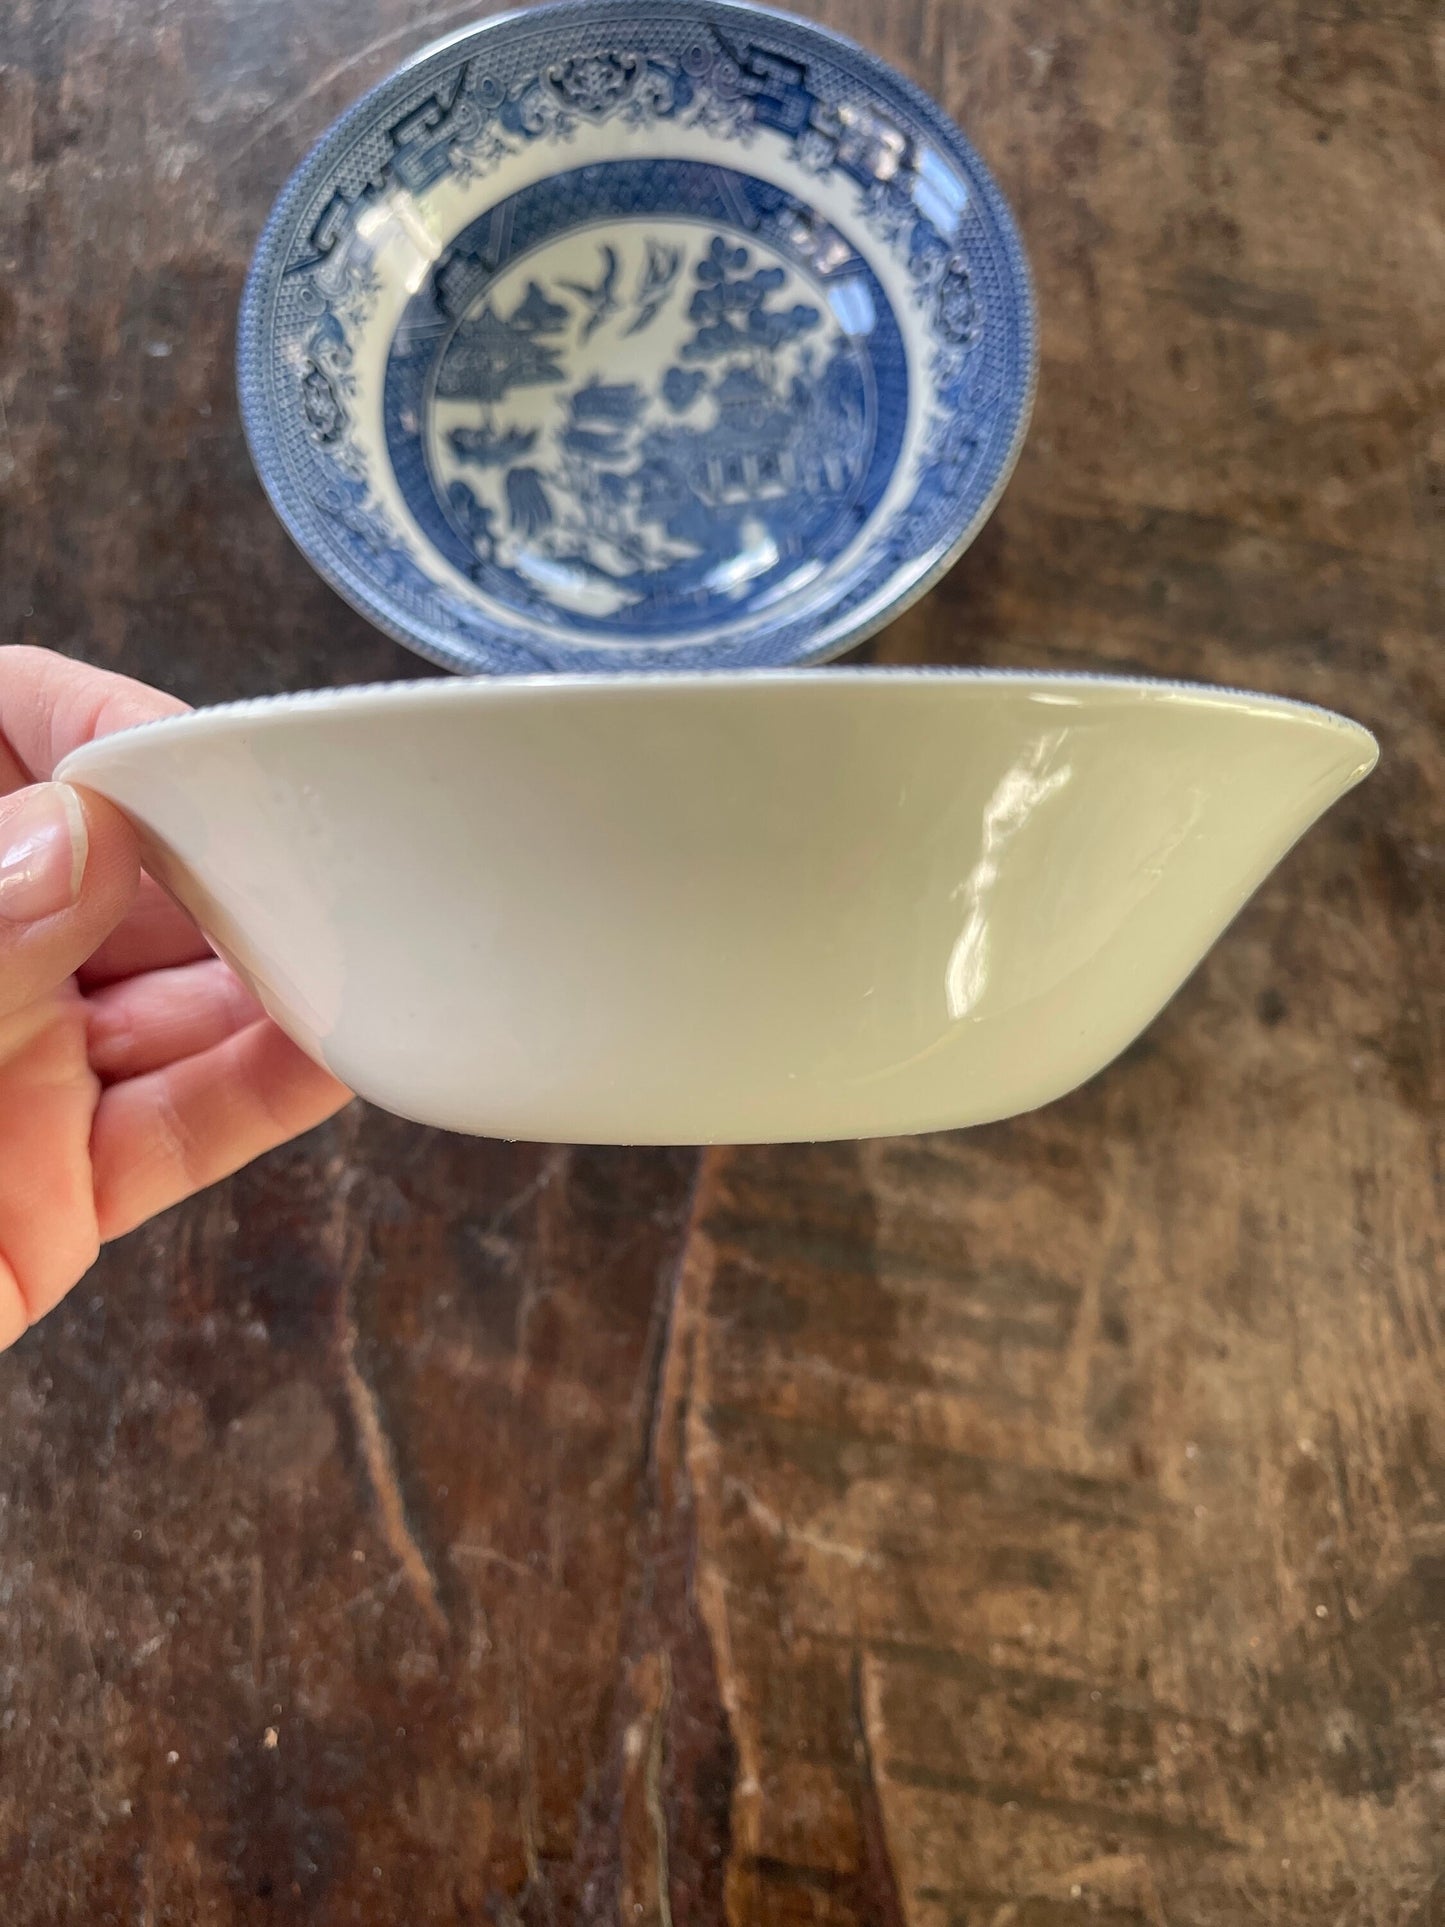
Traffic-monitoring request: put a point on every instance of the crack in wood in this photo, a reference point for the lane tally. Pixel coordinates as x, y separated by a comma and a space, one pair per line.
378, 1455
882, 1881
654, 1399
652, 1791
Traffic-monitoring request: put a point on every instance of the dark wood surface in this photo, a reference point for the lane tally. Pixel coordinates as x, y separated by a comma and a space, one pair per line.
1043, 1525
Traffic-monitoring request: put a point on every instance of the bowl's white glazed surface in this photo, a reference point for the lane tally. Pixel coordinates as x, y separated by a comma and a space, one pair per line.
741, 908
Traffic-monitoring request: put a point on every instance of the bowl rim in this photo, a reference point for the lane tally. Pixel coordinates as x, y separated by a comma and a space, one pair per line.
423, 691
835, 636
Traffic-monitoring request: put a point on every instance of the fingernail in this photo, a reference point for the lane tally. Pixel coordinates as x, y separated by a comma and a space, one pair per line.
42, 852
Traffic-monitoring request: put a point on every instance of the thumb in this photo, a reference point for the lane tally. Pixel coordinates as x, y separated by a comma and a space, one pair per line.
69, 867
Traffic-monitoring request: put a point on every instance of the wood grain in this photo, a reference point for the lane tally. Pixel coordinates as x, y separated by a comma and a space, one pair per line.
1040, 1526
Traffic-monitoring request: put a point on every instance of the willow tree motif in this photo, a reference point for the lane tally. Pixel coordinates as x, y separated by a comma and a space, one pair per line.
529, 508
732, 312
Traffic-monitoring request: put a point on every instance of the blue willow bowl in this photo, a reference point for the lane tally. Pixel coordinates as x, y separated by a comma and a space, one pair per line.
611, 335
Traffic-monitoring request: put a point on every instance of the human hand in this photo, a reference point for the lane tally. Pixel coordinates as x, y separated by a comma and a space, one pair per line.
134, 1067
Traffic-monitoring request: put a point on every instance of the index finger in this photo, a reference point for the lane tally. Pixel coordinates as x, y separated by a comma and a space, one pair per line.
50, 705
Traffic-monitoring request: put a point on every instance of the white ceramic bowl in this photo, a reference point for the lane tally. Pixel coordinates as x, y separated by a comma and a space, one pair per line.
745, 908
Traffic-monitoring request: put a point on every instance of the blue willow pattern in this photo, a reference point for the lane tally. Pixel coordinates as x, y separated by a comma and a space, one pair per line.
666, 464
661, 503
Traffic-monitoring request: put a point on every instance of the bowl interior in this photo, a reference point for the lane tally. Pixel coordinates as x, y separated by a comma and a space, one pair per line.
611, 333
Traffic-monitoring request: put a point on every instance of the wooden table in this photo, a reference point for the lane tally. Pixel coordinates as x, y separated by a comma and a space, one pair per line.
1040, 1525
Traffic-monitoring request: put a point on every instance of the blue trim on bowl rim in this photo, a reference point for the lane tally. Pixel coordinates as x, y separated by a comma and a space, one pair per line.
833, 638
